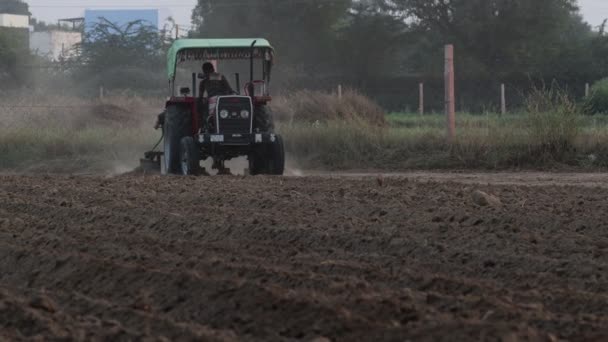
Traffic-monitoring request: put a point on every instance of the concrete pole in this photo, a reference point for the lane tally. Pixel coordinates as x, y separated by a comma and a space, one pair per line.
101, 93
339, 91
503, 100
421, 98
450, 105
587, 89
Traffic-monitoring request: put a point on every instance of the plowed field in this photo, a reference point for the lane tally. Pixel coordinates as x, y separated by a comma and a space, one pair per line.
311, 258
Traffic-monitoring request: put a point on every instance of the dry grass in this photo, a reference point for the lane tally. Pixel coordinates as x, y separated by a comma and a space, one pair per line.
307, 106
70, 134
67, 134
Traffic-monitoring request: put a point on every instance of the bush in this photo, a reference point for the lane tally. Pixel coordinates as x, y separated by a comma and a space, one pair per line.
597, 102
315, 106
552, 122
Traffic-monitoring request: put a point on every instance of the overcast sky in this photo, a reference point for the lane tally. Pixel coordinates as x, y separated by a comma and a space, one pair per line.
594, 11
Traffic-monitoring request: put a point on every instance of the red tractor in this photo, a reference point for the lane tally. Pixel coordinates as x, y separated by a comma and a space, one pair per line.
199, 124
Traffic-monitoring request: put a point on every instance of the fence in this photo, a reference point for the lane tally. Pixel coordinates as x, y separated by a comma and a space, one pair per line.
473, 93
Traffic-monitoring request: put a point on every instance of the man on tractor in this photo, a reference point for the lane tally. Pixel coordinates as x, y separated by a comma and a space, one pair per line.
214, 83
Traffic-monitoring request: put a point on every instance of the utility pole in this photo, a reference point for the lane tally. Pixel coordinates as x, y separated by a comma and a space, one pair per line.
503, 100
450, 105
421, 98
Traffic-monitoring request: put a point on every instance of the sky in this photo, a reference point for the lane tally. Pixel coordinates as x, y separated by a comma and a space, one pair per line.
594, 11
51, 10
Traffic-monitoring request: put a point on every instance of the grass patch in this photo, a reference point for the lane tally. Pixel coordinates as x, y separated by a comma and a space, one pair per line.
74, 135
489, 142
93, 137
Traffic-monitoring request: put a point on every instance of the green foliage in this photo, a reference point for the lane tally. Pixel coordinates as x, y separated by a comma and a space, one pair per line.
503, 36
14, 54
302, 30
375, 39
14, 7
122, 56
553, 122
372, 41
597, 102
8, 54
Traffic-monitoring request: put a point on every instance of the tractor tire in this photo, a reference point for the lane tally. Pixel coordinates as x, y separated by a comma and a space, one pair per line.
189, 157
276, 160
263, 120
177, 124
268, 159
257, 163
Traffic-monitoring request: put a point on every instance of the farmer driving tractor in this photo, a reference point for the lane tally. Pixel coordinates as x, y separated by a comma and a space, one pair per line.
214, 83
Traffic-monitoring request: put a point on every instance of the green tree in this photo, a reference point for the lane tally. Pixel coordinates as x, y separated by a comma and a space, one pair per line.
14, 7
599, 50
371, 41
8, 55
497, 36
303, 31
128, 56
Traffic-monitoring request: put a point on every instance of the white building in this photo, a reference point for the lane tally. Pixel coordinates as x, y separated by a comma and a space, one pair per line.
55, 45
14, 21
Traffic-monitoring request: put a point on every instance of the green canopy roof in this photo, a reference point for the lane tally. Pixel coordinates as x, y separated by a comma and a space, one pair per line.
197, 44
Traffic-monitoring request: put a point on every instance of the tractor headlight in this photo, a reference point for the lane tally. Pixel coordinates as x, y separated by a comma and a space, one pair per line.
245, 114
224, 114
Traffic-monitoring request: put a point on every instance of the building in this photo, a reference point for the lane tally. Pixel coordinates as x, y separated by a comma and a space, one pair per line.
18, 28
121, 17
14, 21
55, 45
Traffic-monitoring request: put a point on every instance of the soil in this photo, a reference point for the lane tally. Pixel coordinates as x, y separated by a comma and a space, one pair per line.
317, 258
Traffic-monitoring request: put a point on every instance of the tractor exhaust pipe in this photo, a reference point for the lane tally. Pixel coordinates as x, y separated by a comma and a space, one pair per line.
194, 84
237, 79
251, 88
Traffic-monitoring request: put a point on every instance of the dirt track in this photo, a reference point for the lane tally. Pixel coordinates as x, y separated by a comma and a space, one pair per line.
265, 259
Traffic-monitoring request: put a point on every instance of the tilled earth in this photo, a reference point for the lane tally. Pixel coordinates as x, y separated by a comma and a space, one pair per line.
312, 258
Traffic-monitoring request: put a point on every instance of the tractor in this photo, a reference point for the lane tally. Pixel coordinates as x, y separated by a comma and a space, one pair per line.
222, 127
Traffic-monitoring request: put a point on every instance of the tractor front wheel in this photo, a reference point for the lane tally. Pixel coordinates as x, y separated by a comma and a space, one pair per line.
189, 157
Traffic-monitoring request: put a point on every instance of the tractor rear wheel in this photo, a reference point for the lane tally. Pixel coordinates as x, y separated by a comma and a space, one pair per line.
263, 119
178, 123
189, 157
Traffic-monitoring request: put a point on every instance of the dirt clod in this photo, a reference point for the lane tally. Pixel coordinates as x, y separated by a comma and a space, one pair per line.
483, 199
43, 302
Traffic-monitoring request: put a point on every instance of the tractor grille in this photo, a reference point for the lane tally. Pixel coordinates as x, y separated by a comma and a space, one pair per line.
229, 126
234, 123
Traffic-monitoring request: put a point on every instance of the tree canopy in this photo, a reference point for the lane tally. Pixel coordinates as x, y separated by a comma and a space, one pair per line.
122, 56
371, 36
304, 31
14, 7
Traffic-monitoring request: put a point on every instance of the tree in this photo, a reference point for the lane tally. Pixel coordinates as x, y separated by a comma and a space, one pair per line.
372, 42
8, 55
503, 36
303, 31
13, 43
122, 56
14, 7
